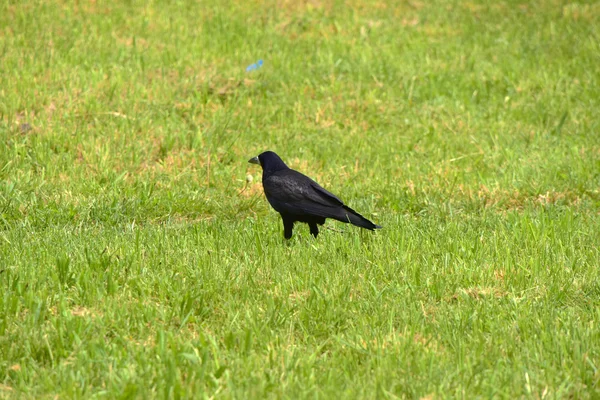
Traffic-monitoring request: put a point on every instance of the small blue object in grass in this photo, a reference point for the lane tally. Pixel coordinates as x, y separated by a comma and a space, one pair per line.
254, 66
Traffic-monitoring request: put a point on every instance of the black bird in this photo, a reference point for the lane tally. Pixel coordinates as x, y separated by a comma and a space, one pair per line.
300, 199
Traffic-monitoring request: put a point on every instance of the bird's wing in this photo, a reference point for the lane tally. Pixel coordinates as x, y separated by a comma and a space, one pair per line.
328, 196
294, 193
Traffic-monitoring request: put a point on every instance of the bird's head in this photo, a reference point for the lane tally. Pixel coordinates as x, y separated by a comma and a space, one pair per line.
269, 161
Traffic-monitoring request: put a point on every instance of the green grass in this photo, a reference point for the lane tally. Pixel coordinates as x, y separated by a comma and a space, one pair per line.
137, 261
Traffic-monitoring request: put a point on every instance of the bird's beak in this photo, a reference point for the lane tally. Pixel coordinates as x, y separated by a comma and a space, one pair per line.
254, 160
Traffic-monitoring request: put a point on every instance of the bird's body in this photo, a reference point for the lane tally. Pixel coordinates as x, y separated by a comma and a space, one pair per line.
300, 199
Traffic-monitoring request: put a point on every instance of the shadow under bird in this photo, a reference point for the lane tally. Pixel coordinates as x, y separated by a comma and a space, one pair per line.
300, 199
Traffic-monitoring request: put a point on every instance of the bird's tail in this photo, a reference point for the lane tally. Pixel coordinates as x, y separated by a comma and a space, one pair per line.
348, 215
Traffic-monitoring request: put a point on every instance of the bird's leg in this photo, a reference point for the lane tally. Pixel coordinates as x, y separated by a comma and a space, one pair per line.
288, 227
314, 229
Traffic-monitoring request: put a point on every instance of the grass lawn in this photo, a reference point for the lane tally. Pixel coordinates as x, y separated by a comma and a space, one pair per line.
140, 259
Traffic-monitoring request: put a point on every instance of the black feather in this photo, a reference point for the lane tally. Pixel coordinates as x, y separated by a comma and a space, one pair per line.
300, 199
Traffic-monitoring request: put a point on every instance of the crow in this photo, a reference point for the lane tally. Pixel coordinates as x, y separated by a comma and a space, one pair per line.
300, 199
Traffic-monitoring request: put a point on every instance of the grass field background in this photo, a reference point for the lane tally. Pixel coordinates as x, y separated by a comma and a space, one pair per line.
138, 259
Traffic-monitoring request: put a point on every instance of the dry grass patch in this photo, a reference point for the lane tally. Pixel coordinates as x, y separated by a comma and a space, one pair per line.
80, 311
